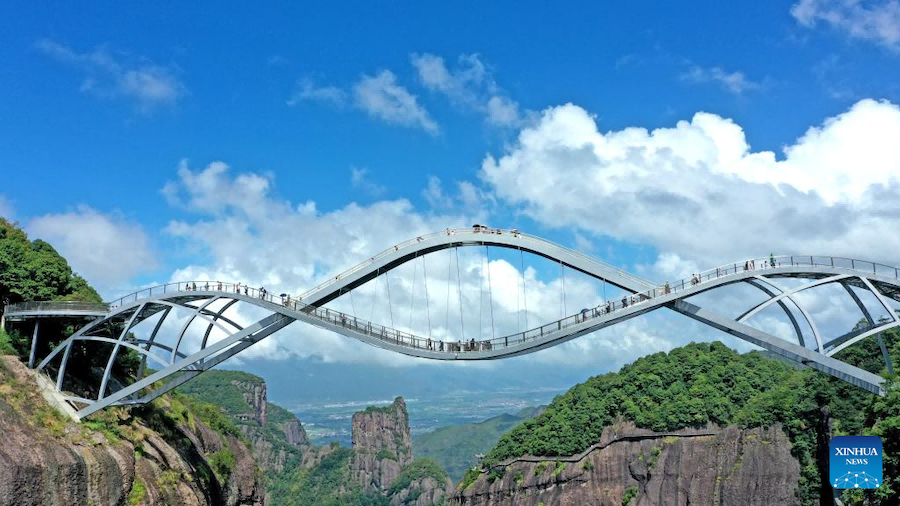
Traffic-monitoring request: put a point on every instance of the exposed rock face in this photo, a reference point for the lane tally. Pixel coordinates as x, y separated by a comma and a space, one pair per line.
382, 445
255, 395
313, 456
424, 492
382, 451
295, 434
384, 429
733, 467
48, 460
269, 456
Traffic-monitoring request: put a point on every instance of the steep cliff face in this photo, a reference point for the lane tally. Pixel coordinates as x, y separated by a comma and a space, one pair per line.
427, 491
280, 441
294, 433
254, 393
421, 483
276, 437
382, 460
641, 468
382, 445
161, 455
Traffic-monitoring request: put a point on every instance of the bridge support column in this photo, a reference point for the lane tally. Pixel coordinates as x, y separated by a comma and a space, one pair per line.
34, 338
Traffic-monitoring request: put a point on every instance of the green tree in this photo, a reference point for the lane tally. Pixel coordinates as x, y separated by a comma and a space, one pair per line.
883, 419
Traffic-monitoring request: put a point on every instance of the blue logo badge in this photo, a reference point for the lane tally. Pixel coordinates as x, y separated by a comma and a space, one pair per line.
855, 462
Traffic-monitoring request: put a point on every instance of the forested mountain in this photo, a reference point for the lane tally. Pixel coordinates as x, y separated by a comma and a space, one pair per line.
378, 470
709, 385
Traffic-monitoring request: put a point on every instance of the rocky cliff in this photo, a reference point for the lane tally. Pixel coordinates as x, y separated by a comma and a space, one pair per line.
382, 460
637, 467
254, 393
277, 438
276, 435
382, 445
161, 454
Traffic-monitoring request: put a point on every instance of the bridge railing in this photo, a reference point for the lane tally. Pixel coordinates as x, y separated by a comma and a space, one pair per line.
401, 338
758, 264
51, 305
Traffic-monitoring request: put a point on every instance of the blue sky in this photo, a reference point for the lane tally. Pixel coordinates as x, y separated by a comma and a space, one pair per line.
350, 126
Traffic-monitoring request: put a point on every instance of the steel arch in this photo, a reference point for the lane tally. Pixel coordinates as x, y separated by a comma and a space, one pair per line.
882, 281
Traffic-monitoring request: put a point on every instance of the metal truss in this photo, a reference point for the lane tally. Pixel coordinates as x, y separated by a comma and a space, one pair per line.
176, 365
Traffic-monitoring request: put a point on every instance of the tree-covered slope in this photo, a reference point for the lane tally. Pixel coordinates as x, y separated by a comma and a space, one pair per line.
705, 383
217, 387
33, 270
454, 447
688, 387
278, 440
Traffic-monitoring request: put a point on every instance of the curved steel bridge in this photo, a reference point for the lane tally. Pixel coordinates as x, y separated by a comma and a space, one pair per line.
207, 302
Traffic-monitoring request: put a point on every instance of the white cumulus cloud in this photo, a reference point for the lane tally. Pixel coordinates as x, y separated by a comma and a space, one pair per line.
699, 190
104, 248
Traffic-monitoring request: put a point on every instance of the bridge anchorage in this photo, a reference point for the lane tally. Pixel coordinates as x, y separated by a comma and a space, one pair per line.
166, 313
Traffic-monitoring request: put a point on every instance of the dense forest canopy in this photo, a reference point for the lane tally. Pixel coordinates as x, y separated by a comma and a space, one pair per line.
33, 270
708, 383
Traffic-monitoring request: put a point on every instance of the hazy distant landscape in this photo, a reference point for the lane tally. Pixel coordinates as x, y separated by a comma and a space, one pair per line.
331, 421
325, 395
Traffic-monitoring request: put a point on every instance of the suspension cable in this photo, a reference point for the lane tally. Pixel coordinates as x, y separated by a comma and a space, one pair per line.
387, 279
487, 256
447, 322
352, 305
462, 325
412, 293
480, 296
518, 310
565, 309
562, 290
524, 287
425, 280
375, 293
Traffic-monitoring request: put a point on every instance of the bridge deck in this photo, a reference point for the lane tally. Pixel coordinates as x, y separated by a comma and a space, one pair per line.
642, 297
55, 309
